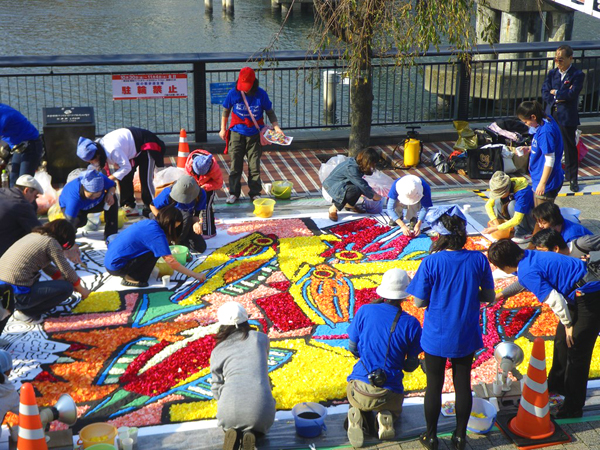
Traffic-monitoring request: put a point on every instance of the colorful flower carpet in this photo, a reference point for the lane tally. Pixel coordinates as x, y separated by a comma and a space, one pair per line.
141, 357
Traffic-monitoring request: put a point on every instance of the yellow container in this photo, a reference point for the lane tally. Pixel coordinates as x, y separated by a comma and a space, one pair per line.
282, 189
121, 219
163, 268
412, 152
263, 207
97, 433
55, 213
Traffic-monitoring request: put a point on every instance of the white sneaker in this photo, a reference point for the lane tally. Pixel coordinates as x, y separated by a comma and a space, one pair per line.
232, 199
386, 425
522, 239
22, 317
130, 211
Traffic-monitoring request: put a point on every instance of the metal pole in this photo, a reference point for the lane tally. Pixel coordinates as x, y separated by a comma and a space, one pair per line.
200, 125
208, 5
330, 81
463, 86
229, 6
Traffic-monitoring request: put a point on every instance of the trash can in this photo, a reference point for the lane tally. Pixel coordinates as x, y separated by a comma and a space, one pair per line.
62, 129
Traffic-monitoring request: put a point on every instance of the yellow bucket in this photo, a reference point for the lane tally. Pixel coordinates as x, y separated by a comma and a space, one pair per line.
163, 268
97, 433
121, 218
263, 207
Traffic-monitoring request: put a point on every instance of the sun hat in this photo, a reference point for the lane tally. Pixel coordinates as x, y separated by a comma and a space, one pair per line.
434, 214
499, 184
232, 313
393, 285
246, 79
185, 190
86, 149
409, 189
201, 164
92, 181
6, 363
30, 182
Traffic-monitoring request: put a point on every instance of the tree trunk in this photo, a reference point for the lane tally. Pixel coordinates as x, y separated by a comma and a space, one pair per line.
361, 112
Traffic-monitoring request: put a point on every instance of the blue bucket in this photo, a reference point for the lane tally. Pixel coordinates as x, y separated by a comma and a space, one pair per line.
309, 419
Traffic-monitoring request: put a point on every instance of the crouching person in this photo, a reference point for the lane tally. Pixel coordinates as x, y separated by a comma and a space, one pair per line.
387, 341
240, 379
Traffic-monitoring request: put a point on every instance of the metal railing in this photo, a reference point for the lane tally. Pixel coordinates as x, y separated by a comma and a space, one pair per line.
308, 92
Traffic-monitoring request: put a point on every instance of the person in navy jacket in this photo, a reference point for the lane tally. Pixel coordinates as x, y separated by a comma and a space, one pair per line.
560, 92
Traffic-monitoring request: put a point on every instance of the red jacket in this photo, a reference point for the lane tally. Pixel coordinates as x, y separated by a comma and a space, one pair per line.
213, 180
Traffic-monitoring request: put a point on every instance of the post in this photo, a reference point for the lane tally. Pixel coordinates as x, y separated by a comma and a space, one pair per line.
463, 87
228, 6
208, 5
330, 81
200, 125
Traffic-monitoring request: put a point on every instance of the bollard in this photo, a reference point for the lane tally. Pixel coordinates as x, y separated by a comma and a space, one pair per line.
228, 6
208, 5
330, 81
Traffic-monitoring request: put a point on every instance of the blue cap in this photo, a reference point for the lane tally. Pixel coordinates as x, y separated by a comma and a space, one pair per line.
434, 214
5, 361
201, 164
92, 181
86, 149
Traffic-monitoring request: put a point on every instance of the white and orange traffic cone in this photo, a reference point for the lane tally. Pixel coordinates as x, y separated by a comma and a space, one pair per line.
184, 149
31, 433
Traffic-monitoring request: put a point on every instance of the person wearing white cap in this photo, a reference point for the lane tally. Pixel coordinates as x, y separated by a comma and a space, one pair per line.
190, 199
408, 201
91, 192
386, 339
17, 211
450, 282
9, 397
240, 379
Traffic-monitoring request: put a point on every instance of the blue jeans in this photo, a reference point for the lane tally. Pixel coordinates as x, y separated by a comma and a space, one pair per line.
44, 296
27, 161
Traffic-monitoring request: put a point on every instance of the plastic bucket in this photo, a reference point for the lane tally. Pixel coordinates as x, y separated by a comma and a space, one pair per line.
98, 433
485, 422
180, 253
102, 447
309, 419
121, 218
282, 189
571, 214
263, 207
163, 268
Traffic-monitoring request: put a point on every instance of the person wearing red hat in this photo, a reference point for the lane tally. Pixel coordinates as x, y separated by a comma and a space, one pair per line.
248, 102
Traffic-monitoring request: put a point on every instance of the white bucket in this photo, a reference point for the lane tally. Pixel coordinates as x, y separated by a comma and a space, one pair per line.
481, 425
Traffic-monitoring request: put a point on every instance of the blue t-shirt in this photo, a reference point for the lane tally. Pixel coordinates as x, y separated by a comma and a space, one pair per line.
163, 199
258, 103
546, 140
541, 272
370, 331
450, 281
141, 237
524, 200
425, 201
14, 126
71, 201
571, 231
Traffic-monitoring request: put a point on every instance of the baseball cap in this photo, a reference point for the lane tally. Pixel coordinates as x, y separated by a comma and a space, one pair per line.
232, 313
246, 79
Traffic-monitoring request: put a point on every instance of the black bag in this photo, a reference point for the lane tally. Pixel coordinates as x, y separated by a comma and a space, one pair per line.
484, 161
458, 162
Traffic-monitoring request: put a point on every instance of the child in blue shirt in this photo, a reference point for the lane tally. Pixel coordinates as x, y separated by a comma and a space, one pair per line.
410, 197
548, 215
573, 293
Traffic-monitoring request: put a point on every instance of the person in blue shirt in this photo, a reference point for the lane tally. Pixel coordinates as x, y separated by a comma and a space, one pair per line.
408, 201
549, 216
550, 240
450, 282
242, 138
386, 339
545, 153
24, 141
133, 253
190, 199
573, 293
92, 192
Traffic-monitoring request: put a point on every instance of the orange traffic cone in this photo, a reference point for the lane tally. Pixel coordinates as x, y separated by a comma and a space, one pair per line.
533, 418
184, 149
31, 433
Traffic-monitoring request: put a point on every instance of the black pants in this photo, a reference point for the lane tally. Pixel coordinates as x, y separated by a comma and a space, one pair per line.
111, 218
350, 197
43, 296
570, 150
26, 160
138, 269
146, 164
461, 376
188, 236
571, 366
208, 215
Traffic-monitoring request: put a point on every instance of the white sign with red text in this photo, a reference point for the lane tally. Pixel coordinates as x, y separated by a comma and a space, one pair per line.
155, 85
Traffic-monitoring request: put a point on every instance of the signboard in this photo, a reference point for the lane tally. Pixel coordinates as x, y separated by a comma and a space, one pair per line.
155, 85
66, 115
218, 92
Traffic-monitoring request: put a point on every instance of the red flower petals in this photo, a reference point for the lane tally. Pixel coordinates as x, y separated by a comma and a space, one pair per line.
281, 309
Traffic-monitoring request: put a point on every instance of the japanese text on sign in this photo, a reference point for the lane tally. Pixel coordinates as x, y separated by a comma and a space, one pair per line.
156, 85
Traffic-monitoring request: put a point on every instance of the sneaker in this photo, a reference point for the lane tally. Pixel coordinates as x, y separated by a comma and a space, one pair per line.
248, 441
91, 226
130, 212
255, 197
386, 431
523, 239
355, 428
231, 440
22, 317
231, 199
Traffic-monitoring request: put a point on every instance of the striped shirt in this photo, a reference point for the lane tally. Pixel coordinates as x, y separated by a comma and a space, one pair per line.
22, 262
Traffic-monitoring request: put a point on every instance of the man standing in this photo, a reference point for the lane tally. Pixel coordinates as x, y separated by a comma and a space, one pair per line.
560, 92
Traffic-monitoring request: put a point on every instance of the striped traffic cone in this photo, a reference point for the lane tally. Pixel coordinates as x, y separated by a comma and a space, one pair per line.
31, 433
184, 149
533, 418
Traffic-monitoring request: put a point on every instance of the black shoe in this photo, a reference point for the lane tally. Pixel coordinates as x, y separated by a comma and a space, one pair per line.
430, 444
458, 443
392, 223
131, 283
574, 186
231, 440
568, 414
